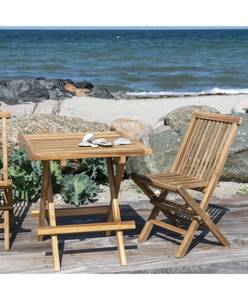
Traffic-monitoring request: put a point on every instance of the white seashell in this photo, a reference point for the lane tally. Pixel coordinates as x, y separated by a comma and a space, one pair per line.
84, 144
99, 141
102, 142
122, 141
87, 144
89, 137
93, 146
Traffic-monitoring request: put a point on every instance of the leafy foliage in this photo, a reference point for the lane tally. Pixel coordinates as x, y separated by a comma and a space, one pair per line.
94, 168
78, 189
77, 181
26, 176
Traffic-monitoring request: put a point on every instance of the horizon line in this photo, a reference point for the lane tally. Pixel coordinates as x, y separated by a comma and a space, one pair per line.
121, 27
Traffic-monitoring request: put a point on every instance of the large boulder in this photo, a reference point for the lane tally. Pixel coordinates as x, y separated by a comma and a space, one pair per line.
166, 139
135, 128
179, 118
236, 167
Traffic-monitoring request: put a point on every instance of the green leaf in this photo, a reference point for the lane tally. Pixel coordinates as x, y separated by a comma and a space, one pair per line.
78, 189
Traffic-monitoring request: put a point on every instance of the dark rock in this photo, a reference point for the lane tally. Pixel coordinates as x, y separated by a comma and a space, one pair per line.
38, 89
179, 118
236, 167
31, 90
100, 92
69, 81
84, 85
164, 144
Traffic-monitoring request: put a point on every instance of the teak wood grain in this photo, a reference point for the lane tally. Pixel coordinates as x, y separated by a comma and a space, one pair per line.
198, 166
64, 146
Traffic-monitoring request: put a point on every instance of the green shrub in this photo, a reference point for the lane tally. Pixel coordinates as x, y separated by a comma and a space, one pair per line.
94, 168
78, 189
77, 181
26, 176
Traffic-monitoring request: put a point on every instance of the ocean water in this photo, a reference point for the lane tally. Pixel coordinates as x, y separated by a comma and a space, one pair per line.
138, 62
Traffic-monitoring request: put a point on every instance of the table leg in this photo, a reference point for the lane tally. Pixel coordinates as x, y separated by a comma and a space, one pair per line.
43, 198
51, 215
114, 184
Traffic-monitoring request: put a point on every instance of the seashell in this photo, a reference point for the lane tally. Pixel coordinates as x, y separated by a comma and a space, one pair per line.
122, 141
89, 137
87, 144
102, 142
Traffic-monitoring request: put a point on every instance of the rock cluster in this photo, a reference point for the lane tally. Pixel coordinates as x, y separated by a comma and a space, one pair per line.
34, 90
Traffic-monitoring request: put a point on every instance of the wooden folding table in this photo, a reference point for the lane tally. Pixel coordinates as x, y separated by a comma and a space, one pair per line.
64, 146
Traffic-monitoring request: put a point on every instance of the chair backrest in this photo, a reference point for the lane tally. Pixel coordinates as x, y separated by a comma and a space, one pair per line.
206, 145
4, 116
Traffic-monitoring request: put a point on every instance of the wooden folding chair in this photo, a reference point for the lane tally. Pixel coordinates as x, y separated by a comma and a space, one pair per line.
198, 166
6, 203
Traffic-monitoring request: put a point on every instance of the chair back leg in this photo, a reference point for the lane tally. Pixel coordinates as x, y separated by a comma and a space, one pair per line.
6, 229
8, 218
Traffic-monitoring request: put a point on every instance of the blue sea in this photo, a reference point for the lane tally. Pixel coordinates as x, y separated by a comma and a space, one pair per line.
137, 62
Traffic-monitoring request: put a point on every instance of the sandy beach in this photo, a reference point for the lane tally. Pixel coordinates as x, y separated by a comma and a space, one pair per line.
105, 110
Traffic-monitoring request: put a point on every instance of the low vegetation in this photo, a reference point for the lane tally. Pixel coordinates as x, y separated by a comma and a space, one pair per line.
77, 182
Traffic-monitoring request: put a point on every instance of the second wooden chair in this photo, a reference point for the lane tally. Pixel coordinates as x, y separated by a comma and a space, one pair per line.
198, 166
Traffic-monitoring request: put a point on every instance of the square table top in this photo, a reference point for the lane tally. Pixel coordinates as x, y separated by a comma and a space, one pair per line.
62, 146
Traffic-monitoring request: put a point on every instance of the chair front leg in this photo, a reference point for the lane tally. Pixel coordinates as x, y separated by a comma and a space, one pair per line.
153, 215
148, 226
204, 216
187, 240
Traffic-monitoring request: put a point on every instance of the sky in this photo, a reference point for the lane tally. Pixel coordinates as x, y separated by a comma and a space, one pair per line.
124, 13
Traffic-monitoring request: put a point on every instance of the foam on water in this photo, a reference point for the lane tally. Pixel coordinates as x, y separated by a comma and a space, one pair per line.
214, 91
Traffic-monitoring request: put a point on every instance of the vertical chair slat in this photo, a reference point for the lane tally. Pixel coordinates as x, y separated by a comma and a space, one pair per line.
206, 149
184, 145
210, 152
217, 144
201, 146
214, 167
186, 155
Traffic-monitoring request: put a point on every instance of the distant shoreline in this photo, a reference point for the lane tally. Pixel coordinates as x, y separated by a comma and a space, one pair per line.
26, 90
